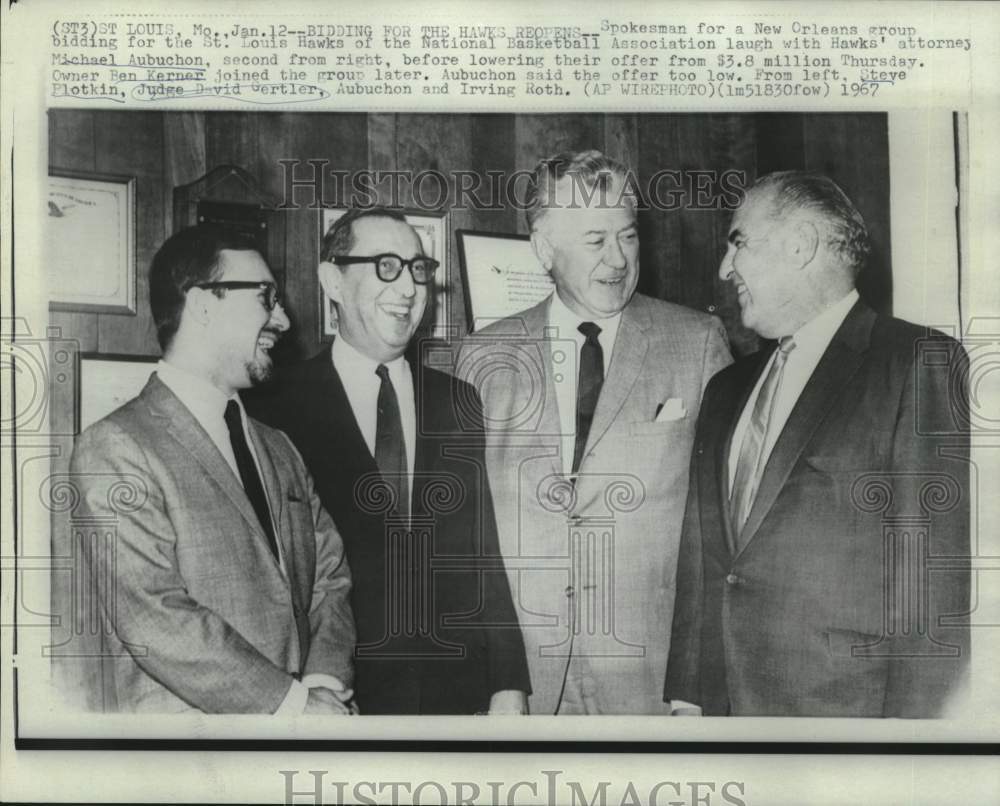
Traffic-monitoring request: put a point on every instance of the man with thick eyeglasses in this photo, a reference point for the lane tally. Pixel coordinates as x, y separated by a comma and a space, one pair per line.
226, 588
269, 295
397, 453
388, 267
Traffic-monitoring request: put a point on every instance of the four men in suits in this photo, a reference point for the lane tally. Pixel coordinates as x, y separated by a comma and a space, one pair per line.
826, 474
437, 632
225, 584
590, 401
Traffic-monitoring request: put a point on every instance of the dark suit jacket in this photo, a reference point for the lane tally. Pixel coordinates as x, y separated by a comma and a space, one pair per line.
828, 610
203, 617
478, 649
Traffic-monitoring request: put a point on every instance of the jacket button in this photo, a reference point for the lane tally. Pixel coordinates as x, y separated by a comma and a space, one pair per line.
732, 579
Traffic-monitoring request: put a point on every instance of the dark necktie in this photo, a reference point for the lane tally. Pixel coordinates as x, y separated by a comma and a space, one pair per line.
390, 447
588, 387
750, 464
248, 473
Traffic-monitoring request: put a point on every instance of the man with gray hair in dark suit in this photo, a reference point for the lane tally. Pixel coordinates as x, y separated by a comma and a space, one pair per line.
828, 471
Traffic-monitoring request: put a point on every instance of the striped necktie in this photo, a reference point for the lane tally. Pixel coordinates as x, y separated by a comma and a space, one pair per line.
750, 464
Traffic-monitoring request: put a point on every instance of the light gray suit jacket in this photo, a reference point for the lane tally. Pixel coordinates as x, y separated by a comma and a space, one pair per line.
201, 614
595, 560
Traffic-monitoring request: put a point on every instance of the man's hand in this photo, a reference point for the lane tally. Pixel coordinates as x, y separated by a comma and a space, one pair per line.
508, 702
324, 701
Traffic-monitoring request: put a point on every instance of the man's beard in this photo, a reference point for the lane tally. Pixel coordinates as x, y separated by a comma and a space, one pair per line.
259, 371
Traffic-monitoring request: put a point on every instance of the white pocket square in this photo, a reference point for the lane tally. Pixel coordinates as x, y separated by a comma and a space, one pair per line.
672, 409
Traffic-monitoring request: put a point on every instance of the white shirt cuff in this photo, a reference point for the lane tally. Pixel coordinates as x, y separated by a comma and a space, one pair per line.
676, 705
295, 700
325, 680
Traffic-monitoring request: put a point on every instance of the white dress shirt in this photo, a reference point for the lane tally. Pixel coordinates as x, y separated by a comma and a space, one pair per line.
563, 332
357, 373
207, 405
811, 341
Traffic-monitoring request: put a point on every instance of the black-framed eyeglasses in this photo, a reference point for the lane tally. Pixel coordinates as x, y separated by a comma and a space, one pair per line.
388, 267
271, 296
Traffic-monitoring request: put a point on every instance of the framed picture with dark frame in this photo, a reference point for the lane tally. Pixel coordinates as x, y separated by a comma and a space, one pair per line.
90, 237
106, 381
432, 227
500, 274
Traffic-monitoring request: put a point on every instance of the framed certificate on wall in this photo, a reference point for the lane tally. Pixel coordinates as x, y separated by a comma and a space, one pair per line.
90, 237
501, 276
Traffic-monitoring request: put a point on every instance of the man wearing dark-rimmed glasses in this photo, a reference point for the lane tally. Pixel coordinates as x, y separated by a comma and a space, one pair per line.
397, 453
226, 587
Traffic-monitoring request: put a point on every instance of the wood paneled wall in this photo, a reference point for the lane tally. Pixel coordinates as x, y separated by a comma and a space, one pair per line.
681, 248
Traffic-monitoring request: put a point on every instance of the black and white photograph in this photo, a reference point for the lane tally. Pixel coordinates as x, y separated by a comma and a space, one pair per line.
581, 508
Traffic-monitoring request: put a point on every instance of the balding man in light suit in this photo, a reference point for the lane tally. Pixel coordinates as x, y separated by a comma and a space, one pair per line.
590, 399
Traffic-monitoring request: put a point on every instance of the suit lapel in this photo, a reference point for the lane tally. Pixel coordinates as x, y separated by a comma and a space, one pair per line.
184, 428
422, 449
540, 337
339, 427
337, 456
627, 359
838, 364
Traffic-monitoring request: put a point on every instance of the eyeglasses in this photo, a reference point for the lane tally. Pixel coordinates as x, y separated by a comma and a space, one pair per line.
388, 267
271, 295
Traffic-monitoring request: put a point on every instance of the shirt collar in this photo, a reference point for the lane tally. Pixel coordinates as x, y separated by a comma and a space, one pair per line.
565, 321
352, 363
819, 331
201, 397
